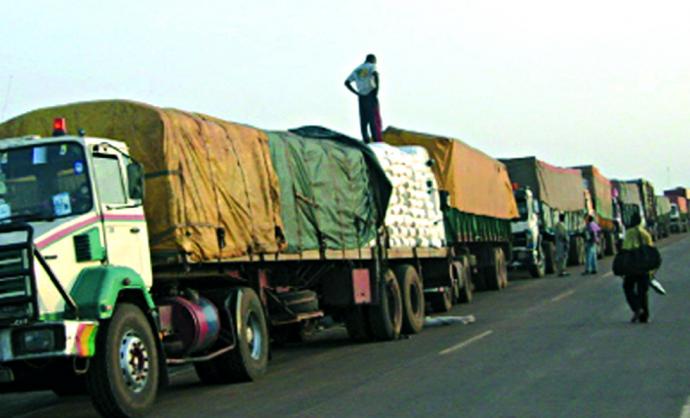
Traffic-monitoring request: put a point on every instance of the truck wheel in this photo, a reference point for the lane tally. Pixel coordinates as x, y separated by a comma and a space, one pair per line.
496, 274
441, 301
549, 257
466, 292
357, 324
539, 270
123, 376
386, 317
412, 293
249, 359
502, 267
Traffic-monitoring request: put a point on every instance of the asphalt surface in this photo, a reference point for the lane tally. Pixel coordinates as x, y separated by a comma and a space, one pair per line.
552, 347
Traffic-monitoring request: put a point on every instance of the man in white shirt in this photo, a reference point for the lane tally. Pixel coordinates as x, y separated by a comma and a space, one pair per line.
366, 79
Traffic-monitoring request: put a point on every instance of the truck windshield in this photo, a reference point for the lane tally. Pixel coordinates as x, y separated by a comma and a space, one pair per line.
44, 182
522, 208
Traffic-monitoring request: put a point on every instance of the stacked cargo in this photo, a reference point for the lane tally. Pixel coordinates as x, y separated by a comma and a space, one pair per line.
333, 192
477, 200
414, 217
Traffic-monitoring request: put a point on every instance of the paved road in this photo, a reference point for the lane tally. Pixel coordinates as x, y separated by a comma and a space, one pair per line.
555, 347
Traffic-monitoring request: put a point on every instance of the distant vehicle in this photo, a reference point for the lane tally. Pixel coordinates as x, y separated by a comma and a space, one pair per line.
679, 217
542, 192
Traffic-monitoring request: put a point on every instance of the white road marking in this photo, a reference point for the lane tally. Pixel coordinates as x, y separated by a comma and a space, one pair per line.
562, 295
685, 412
465, 343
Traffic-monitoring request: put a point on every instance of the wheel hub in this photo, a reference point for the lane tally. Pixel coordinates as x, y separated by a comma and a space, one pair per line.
253, 336
134, 361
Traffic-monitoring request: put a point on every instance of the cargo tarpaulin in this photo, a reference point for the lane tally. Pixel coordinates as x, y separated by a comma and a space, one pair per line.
334, 194
681, 202
663, 205
203, 175
560, 188
600, 189
678, 191
476, 183
628, 193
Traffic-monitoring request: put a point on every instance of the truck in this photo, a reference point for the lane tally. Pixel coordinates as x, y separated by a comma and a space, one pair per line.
542, 192
606, 210
679, 219
645, 190
663, 215
478, 206
157, 237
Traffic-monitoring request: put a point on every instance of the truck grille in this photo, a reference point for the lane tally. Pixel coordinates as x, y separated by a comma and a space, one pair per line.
16, 295
519, 239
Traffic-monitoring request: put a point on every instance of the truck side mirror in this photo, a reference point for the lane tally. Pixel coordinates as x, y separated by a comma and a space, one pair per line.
135, 181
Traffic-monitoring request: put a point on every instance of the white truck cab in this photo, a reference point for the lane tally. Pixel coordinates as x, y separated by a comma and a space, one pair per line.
527, 239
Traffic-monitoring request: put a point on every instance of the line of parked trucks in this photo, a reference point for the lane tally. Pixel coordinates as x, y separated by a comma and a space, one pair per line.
246, 237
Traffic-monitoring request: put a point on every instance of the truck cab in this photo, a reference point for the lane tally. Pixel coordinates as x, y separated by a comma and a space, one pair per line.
527, 240
73, 244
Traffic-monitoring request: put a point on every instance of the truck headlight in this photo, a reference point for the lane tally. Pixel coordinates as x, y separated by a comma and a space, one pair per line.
38, 340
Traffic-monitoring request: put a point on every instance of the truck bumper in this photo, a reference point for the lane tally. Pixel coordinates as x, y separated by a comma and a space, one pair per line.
523, 257
48, 339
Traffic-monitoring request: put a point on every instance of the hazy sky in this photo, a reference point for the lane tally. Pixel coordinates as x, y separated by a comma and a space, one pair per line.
602, 82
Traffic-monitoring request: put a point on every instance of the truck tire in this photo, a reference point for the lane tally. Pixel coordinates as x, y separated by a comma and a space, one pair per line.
538, 270
386, 317
123, 377
441, 302
496, 274
357, 324
412, 293
249, 359
549, 257
467, 291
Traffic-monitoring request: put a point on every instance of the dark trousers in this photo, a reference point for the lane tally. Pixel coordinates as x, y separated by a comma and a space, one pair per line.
370, 117
636, 288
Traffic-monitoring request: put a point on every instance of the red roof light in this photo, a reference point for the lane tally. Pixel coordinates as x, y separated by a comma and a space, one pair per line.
59, 126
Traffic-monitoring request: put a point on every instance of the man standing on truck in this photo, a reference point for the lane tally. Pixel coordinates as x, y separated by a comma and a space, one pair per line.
366, 78
636, 286
562, 245
591, 241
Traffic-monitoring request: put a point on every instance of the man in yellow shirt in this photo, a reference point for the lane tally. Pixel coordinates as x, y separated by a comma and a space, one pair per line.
636, 286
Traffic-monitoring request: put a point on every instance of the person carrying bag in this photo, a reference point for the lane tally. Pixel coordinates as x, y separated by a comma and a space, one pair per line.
636, 262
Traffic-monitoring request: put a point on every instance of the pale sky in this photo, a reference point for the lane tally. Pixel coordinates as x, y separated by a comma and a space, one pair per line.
588, 82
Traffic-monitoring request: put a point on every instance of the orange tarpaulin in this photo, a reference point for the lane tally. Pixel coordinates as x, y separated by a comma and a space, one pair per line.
202, 174
476, 183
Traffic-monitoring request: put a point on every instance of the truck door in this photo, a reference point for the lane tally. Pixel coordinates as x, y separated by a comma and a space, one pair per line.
126, 237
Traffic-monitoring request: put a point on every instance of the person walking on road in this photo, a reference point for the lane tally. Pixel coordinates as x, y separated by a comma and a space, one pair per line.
591, 241
636, 286
562, 245
367, 81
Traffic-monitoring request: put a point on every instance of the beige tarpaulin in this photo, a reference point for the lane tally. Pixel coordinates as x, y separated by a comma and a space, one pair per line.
202, 174
476, 183
560, 188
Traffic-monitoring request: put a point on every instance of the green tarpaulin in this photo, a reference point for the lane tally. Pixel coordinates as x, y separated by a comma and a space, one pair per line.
333, 192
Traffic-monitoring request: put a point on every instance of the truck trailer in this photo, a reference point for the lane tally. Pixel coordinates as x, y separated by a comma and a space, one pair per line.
477, 203
542, 192
663, 215
606, 210
158, 237
679, 219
